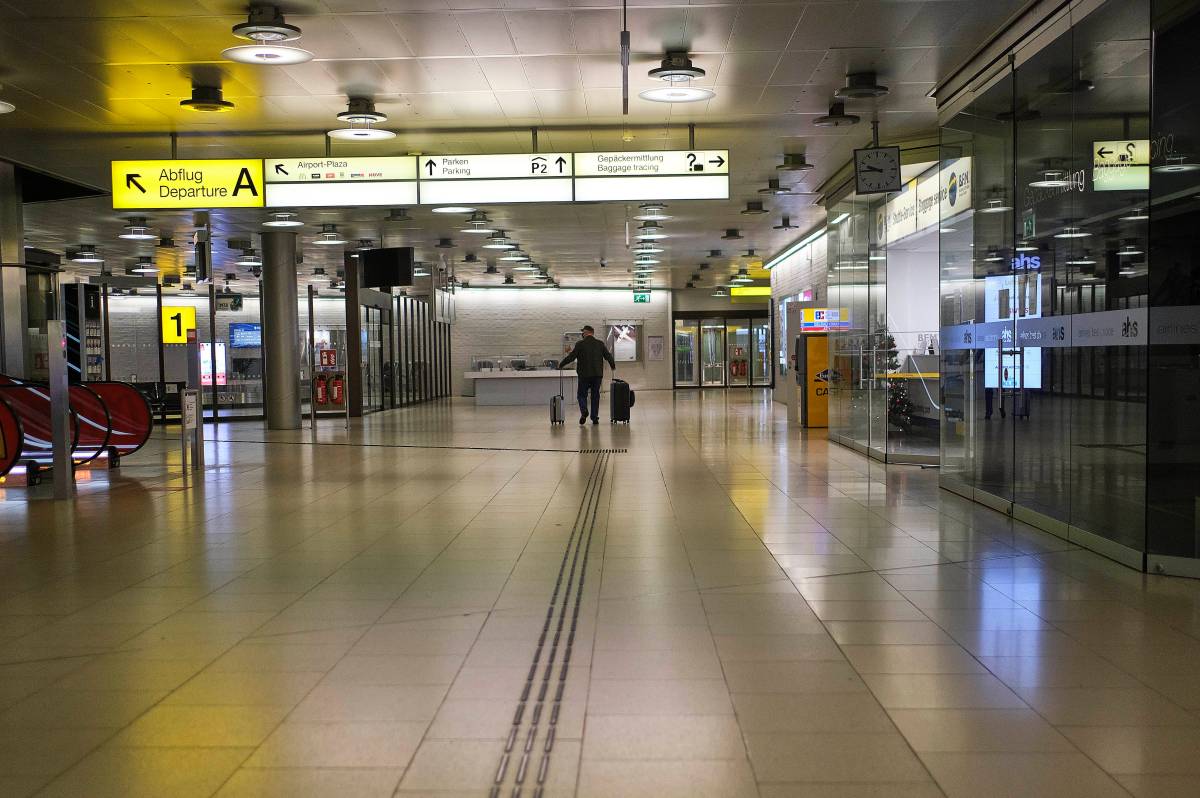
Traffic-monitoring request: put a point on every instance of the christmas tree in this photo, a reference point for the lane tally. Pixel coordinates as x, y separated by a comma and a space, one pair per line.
899, 408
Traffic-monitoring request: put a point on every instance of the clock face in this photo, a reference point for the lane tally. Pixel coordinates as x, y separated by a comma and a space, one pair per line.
877, 169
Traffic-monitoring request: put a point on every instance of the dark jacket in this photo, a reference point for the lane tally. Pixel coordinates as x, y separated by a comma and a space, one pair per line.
590, 354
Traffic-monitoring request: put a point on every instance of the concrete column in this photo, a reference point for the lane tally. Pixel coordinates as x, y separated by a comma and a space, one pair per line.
13, 319
281, 330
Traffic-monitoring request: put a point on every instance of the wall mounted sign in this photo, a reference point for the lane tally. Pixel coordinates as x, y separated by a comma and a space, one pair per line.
177, 322
138, 185
651, 175
329, 182
641, 297
478, 179
1121, 165
814, 320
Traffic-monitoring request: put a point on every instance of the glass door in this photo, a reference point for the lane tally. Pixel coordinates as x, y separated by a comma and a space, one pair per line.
712, 352
687, 334
737, 347
760, 352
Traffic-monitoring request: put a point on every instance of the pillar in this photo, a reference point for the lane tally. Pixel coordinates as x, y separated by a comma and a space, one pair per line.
281, 330
13, 318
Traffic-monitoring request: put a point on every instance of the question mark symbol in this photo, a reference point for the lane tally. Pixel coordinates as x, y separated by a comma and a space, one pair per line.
691, 156
1129, 149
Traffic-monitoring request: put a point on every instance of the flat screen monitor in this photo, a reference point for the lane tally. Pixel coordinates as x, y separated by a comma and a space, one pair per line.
387, 267
244, 335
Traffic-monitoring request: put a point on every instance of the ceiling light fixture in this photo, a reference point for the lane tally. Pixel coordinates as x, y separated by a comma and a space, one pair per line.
206, 98
650, 231
85, 253
785, 223
329, 236
361, 116
515, 255
652, 212
145, 265
1026, 246
647, 248
283, 219
249, 258
1176, 164
837, 117
265, 26
732, 234
138, 230
677, 71
1135, 215
774, 188
1085, 259
398, 215
1072, 232
1051, 177
994, 203
860, 86
497, 240
794, 162
1129, 250
478, 224
753, 209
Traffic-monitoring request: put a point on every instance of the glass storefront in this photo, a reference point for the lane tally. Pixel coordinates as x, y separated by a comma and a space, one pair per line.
723, 352
1060, 335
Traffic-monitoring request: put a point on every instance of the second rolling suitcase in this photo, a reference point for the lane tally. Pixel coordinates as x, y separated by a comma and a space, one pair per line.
620, 401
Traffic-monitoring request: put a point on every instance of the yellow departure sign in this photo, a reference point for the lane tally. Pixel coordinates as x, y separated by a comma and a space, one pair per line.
138, 185
177, 321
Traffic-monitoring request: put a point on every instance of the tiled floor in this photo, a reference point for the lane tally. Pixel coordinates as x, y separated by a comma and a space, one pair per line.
763, 614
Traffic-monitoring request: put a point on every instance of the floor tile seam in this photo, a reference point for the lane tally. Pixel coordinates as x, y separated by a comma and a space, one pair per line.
999, 680
742, 734
563, 473
365, 629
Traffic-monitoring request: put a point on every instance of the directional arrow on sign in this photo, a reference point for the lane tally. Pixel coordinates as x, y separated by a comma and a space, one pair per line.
430, 165
279, 170
719, 161
561, 162
131, 181
1103, 152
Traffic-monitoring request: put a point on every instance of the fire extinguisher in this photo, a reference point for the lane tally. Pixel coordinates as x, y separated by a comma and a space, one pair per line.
322, 385
336, 388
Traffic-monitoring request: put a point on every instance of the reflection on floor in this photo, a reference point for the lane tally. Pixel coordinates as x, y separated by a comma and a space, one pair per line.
762, 614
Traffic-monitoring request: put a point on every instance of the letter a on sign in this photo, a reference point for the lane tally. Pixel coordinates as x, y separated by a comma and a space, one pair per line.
245, 182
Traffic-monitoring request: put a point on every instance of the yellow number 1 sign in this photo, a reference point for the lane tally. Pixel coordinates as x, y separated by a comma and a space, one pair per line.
176, 322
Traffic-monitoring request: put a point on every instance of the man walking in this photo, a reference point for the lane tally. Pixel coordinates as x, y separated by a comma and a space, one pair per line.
590, 353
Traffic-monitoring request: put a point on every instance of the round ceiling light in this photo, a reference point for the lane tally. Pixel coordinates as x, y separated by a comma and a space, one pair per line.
774, 188
7, 107
677, 94
266, 24
652, 212
995, 202
329, 236
497, 240
785, 223
1025, 246
137, 230
514, 255
361, 116
479, 224
1051, 177
1085, 259
651, 231
647, 248
248, 258
206, 98
85, 253
837, 117
860, 86
794, 162
1176, 164
753, 209
283, 219
1072, 232
271, 54
1128, 250
145, 265
1135, 215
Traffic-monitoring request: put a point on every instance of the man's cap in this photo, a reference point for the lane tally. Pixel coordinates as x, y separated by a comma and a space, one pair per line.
588, 328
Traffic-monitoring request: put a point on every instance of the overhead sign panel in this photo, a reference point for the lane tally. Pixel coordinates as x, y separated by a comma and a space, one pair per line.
328, 182
1121, 165
651, 175
139, 185
478, 179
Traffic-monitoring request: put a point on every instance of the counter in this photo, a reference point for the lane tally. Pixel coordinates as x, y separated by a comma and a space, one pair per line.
520, 387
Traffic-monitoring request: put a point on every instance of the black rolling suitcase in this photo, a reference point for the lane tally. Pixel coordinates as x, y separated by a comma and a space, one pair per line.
621, 399
556, 404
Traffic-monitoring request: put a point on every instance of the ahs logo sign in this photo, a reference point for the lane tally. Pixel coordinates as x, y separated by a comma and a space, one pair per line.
1024, 262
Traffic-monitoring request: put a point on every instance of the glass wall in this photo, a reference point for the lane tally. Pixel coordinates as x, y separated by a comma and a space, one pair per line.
1044, 284
732, 351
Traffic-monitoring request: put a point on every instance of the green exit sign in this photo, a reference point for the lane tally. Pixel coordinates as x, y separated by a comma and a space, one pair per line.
640, 297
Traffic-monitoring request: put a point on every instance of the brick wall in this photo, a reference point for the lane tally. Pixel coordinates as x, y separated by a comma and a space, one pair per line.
504, 322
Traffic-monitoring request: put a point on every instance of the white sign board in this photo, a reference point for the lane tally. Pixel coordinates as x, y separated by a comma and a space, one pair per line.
477, 179
651, 175
328, 182
190, 406
1121, 165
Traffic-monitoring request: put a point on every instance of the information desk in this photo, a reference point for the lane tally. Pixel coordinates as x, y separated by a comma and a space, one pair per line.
520, 387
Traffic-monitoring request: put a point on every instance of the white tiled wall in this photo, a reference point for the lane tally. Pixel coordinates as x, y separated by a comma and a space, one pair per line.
501, 321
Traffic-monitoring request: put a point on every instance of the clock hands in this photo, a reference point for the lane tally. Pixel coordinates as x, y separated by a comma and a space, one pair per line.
871, 169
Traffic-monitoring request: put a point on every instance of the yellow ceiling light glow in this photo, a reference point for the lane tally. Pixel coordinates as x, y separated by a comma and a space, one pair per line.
750, 290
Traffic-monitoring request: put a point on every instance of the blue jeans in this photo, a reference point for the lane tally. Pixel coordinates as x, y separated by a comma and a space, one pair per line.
589, 385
